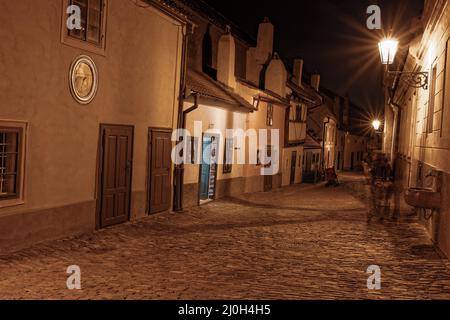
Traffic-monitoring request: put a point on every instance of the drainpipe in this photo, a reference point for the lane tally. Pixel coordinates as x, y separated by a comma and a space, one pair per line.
395, 132
179, 169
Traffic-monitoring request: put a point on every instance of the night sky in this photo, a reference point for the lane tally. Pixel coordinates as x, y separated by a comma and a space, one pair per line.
331, 36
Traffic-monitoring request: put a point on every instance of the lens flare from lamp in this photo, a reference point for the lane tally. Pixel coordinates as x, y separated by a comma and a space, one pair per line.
388, 50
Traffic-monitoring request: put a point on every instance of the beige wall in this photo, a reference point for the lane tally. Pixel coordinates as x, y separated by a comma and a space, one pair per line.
138, 85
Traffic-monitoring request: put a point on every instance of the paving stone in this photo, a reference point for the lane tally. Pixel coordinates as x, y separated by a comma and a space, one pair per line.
302, 242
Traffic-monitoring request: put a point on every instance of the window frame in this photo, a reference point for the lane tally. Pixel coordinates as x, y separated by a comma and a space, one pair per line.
71, 41
21, 129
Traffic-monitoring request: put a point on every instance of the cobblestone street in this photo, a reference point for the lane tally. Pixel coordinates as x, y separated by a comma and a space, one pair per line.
304, 242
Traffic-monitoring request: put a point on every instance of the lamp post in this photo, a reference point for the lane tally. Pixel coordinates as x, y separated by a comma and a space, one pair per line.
388, 50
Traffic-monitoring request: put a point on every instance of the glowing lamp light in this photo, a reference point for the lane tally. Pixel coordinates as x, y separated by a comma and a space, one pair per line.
388, 50
376, 125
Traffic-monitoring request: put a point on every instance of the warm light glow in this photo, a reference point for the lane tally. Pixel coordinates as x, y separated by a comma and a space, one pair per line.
376, 125
388, 50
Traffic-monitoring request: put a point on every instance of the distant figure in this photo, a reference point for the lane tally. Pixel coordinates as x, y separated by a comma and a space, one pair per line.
332, 178
397, 189
381, 187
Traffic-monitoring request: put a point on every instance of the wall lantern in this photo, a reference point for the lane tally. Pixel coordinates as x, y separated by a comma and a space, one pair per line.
388, 50
376, 125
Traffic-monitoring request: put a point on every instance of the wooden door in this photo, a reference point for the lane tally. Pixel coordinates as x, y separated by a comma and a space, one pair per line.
268, 183
293, 166
268, 179
115, 174
160, 159
209, 167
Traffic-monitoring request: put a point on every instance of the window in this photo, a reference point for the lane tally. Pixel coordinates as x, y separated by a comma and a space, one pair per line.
269, 114
432, 101
192, 151
91, 36
228, 156
91, 21
298, 114
11, 140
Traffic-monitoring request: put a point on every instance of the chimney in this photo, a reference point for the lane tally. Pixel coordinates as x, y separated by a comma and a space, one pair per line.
298, 71
264, 47
337, 108
315, 81
226, 59
276, 76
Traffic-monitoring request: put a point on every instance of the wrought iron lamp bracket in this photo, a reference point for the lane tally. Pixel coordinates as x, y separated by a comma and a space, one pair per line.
412, 79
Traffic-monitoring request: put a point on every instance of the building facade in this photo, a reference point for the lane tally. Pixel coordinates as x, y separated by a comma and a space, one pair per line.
418, 130
236, 84
86, 115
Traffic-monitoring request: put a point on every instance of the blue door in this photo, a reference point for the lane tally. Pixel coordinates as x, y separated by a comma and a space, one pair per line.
205, 169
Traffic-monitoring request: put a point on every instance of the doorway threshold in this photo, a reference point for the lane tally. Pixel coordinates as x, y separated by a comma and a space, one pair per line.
203, 202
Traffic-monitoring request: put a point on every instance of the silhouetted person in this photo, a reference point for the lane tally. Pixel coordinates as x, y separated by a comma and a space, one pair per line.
380, 187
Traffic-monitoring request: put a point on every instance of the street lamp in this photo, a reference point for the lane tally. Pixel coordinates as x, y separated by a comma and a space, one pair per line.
376, 125
388, 49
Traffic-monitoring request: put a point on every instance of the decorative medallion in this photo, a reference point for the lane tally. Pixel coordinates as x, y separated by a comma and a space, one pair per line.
83, 79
